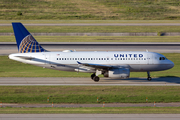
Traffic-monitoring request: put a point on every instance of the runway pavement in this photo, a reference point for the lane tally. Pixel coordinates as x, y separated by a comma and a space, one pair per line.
89, 116
14, 81
7, 48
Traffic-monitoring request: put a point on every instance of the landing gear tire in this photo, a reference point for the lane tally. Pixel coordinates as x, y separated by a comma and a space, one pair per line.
96, 79
92, 76
149, 78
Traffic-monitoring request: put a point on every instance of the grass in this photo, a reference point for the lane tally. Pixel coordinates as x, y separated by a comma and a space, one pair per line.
117, 110
94, 29
10, 68
89, 10
98, 38
88, 94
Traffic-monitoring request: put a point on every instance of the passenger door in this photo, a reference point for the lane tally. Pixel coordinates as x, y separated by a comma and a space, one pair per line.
150, 58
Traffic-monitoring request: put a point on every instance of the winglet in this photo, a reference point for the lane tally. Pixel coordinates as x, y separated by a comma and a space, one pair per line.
25, 41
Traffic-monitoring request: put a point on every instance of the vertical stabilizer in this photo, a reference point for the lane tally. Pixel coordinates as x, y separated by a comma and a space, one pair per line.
25, 41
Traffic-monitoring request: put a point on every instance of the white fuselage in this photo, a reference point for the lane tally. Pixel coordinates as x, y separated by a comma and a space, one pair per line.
68, 61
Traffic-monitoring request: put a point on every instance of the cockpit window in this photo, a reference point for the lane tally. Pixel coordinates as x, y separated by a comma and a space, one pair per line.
162, 58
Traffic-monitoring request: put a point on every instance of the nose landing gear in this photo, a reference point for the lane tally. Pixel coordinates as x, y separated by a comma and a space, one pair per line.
149, 77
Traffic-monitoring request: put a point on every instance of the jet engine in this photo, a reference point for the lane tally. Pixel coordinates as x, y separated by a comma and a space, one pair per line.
122, 73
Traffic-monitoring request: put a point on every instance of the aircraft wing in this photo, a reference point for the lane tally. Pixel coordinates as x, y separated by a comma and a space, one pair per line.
97, 66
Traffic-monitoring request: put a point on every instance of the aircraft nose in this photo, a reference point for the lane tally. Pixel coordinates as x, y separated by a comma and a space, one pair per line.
171, 64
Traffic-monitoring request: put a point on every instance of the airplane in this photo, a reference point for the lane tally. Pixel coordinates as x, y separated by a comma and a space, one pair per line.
113, 64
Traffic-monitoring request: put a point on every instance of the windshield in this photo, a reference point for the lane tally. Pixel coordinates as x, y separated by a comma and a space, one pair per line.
162, 58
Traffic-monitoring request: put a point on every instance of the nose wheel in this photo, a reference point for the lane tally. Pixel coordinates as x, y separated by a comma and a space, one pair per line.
94, 77
149, 77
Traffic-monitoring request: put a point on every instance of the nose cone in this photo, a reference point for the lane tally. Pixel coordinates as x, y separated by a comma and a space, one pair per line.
170, 64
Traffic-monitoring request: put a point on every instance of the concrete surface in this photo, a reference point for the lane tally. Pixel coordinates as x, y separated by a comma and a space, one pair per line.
89, 116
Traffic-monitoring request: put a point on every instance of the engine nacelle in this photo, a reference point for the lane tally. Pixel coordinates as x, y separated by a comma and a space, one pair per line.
122, 73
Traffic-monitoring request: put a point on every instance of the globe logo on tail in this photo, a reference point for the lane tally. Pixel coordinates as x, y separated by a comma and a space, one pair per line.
29, 44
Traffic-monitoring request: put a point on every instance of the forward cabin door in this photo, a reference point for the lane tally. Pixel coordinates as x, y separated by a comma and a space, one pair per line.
150, 58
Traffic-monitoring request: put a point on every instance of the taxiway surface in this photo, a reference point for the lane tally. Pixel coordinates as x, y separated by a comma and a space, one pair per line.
11, 47
89, 116
41, 81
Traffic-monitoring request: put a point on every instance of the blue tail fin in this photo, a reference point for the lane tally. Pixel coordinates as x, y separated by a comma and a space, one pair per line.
25, 41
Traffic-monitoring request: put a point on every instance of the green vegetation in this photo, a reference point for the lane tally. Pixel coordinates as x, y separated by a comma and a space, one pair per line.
98, 38
88, 94
10, 68
117, 110
89, 10
94, 29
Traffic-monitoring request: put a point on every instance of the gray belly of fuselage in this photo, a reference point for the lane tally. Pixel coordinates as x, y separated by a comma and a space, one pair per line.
148, 67
133, 68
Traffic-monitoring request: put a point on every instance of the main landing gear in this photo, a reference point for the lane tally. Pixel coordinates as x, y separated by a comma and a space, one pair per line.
94, 77
149, 77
